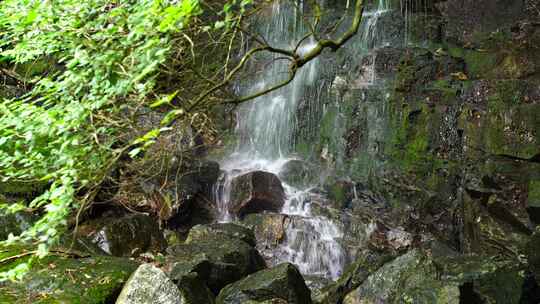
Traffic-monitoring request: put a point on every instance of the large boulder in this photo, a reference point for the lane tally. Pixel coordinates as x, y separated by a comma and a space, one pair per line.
149, 284
367, 263
125, 236
65, 278
255, 192
410, 278
281, 282
438, 274
217, 259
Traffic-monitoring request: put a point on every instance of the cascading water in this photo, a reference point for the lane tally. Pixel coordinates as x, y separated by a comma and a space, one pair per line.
266, 128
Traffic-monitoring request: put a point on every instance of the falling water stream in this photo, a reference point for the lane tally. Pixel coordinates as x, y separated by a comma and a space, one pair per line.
265, 129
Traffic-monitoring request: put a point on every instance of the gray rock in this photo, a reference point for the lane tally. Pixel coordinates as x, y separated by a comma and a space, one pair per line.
410, 278
126, 236
201, 232
281, 282
148, 284
218, 260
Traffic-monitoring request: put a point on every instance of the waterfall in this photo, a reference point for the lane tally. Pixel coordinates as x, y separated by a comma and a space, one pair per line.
266, 128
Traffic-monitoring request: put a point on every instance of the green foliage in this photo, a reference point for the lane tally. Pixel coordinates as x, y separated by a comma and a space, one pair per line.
61, 134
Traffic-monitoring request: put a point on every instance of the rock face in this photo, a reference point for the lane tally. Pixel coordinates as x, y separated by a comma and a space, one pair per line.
218, 259
148, 284
255, 192
299, 174
282, 282
126, 236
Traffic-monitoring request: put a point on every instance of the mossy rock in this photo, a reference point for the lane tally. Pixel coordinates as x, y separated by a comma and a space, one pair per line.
149, 284
125, 236
218, 260
62, 278
410, 278
201, 232
366, 263
281, 282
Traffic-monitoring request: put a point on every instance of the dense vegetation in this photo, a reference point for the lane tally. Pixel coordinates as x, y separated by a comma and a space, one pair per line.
86, 66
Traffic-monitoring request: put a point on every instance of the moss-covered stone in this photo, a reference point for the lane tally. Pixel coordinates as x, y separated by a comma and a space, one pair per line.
410, 278
281, 282
202, 232
61, 278
126, 236
217, 260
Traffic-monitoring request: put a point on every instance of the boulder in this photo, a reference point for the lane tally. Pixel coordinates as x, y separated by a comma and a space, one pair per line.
437, 275
126, 236
218, 260
201, 232
410, 278
256, 192
269, 228
149, 284
65, 278
355, 274
281, 282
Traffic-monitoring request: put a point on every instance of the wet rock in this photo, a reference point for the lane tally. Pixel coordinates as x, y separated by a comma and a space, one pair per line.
14, 223
67, 279
202, 232
411, 277
126, 236
256, 192
340, 192
355, 274
469, 20
218, 260
494, 280
316, 284
485, 233
148, 284
380, 63
268, 228
501, 118
270, 233
299, 174
281, 282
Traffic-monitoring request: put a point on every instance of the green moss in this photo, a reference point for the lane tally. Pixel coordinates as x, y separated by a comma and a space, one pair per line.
533, 196
61, 278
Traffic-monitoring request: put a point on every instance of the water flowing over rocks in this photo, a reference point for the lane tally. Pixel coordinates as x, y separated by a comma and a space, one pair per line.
402, 168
